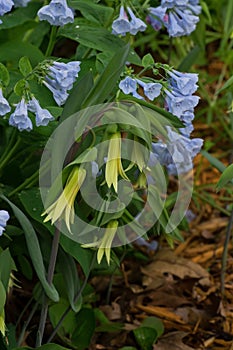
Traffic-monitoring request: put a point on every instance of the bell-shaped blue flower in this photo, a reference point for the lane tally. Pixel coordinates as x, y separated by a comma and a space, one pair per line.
57, 13
121, 25
136, 24
4, 105
43, 117
128, 85
20, 118
4, 217
186, 83
151, 90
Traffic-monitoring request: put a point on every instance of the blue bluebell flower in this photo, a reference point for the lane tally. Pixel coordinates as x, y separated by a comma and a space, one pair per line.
151, 90
178, 152
60, 78
178, 104
136, 24
20, 118
5, 6
121, 25
180, 17
186, 83
128, 85
21, 3
4, 105
43, 117
57, 13
4, 217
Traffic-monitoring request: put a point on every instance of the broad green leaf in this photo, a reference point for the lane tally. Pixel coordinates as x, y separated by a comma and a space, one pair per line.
4, 75
107, 81
94, 37
20, 87
145, 337
93, 12
69, 272
155, 323
226, 177
85, 327
78, 95
25, 66
147, 60
13, 50
34, 250
55, 313
20, 15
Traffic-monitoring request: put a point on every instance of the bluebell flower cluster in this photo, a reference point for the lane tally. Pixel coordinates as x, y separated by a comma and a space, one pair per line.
60, 78
180, 17
20, 119
122, 25
57, 13
151, 90
4, 217
178, 152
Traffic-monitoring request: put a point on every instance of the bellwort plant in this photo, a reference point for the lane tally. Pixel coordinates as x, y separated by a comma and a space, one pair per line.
91, 130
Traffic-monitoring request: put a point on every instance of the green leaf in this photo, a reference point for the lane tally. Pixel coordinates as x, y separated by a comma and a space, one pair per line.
4, 75
20, 16
107, 81
145, 337
226, 177
94, 37
13, 50
6, 266
93, 12
25, 66
20, 87
85, 328
147, 60
34, 250
69, 272
77, 95
2, 297
55, 313
155, 323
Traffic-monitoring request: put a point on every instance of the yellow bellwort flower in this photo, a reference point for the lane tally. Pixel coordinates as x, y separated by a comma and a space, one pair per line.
113, 165
104, 244
63, 207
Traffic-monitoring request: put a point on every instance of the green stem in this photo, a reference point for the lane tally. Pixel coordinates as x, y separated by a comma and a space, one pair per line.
27, 183
51, 269
9, 152
52, 41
